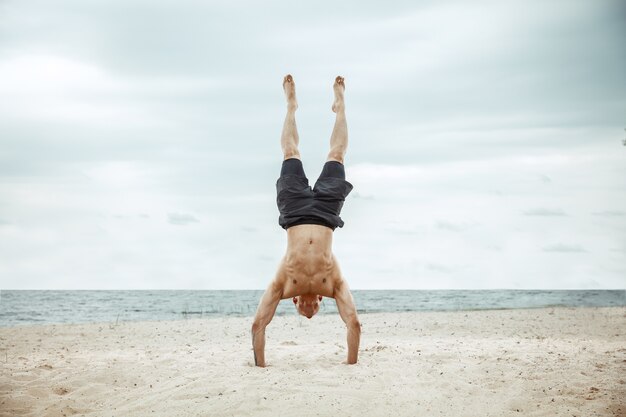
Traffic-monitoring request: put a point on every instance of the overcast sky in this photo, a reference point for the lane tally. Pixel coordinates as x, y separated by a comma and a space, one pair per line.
139, 141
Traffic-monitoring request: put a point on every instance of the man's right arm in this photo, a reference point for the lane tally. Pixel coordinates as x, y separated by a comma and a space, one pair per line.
264, 314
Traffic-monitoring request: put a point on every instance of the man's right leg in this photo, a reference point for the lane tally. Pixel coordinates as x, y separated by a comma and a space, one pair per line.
289, 138
292, 187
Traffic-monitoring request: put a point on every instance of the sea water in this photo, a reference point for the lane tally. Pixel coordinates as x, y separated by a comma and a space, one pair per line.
19, 307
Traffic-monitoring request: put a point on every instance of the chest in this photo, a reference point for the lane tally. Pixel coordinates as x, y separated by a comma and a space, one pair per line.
309, 276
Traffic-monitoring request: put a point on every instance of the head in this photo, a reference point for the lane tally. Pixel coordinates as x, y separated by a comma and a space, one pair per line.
307, 305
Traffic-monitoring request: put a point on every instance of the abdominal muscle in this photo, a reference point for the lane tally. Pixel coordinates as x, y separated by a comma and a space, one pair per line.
309, 266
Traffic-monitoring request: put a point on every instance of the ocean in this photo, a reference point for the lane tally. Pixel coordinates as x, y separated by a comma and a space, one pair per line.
27, 307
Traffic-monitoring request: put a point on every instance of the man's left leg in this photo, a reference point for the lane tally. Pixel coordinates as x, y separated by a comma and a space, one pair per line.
339, 137
330, 193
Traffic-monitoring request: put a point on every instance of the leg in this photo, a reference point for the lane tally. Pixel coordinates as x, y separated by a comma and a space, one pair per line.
289, 138
339, 137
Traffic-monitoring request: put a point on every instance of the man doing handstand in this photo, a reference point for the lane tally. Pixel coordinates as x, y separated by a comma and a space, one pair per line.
309, 270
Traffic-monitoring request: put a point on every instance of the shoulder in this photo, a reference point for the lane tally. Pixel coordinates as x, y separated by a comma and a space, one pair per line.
277, 285
340, 285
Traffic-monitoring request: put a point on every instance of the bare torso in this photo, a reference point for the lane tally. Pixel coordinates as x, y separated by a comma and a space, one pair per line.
309, 266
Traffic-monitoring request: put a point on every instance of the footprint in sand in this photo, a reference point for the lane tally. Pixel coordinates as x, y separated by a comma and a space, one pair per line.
60, 390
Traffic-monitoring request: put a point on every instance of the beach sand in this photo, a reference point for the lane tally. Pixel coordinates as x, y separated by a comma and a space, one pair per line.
534, 362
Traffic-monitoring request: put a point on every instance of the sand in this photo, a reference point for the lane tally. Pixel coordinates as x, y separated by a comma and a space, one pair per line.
535, 362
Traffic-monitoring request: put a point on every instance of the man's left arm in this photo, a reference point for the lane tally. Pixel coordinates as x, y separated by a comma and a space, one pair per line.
347, 311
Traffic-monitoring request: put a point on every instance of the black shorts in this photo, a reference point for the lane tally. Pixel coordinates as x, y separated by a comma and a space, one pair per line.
298, 203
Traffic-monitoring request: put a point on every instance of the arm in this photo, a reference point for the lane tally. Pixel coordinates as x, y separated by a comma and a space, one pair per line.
264, 314
347, 311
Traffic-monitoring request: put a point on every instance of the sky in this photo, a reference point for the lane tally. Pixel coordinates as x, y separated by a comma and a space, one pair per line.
139, 141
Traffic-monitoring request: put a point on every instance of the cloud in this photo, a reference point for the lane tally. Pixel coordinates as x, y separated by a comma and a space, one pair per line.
439, 268
544, 212
181, 219
362, 196
609, 213
131, 216
473, 113
563, 247
453, 227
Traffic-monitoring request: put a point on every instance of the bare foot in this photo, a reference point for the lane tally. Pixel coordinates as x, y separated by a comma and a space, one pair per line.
290, 92
339, 87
